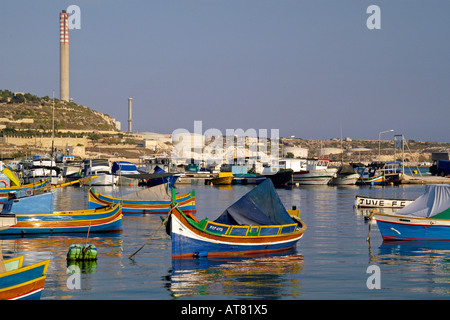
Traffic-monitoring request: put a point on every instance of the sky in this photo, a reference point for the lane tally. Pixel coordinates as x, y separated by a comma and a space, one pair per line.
311, 69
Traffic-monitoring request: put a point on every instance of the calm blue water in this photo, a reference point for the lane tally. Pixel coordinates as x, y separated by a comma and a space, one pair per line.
330, 261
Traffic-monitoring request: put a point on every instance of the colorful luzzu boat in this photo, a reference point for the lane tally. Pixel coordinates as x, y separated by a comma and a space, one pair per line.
425, 219
19, 282
154, 200
257, 223
35, 214
23, 190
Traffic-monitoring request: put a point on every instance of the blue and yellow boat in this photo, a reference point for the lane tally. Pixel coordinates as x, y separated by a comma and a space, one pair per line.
19, 282
256, 223
23, 190
35, 215
154, 200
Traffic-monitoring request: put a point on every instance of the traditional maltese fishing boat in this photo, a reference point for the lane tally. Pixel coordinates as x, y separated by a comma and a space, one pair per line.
19, 282
256, 223
154, 200
23, 190
35, 214
426, 219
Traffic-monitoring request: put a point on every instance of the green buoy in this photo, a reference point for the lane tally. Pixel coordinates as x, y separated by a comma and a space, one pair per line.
78, 252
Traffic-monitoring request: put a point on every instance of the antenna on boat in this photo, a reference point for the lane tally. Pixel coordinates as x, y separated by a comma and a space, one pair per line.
53, 125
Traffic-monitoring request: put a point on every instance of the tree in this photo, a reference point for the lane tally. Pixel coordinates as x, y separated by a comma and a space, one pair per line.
18, 98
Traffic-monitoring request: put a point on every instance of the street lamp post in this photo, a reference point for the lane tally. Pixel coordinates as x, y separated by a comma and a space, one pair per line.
379, 142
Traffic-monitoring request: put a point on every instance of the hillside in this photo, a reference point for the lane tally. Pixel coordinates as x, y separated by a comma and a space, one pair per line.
28, 112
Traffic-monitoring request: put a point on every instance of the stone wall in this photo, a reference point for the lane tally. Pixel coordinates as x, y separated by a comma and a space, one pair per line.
75, 146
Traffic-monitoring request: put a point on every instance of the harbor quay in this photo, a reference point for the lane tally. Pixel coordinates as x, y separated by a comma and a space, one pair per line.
199, 157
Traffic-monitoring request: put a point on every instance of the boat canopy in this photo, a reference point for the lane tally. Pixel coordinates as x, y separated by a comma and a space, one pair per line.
346, 169
157, 193
435, 202
124, 167
260, 206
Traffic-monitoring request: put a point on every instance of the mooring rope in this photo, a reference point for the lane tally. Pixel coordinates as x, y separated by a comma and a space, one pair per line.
163, 223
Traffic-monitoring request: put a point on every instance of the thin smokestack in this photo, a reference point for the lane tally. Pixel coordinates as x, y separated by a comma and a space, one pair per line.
130, 127
64, 55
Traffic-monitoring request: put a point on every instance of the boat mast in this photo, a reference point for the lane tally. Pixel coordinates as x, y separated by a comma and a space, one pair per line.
53, 126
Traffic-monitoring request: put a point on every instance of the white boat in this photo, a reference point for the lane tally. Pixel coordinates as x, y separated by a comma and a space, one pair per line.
370, 202
346, 175
101, 168
72, 172
42, 169
38, 174
278, 174
7, 220
121, 169
316, 172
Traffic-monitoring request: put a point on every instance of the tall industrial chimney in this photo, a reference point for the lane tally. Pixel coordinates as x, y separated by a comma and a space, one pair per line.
64, 55
130, 128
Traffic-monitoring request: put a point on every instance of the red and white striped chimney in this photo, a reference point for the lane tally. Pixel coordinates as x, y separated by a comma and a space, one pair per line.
64, 27
64, 54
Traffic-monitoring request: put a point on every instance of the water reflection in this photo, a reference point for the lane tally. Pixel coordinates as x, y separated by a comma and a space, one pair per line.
424, 267
367, 211
36, 248
414, 250
263, 276
333, 249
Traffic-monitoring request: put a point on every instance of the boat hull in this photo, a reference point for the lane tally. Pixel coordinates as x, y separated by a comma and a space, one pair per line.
393, 227
249, 178
378, 180
7, 221
24, 283
189, 241
321, 177
281, 178
104, 179
106, 219
186, 202
350, 179
222, 180
24, 190
368, 202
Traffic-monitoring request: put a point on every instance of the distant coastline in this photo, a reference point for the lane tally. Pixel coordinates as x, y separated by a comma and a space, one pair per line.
26, 123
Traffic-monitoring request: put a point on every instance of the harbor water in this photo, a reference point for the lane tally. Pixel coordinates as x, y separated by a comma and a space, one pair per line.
333, 260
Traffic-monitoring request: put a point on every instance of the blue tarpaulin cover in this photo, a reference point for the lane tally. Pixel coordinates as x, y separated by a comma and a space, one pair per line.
260, 206
124, 168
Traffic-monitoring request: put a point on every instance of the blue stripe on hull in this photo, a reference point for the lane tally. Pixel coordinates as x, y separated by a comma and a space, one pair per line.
21, 277
400, 231
187, 246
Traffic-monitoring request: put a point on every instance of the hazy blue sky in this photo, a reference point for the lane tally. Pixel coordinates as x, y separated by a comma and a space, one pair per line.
307, 68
